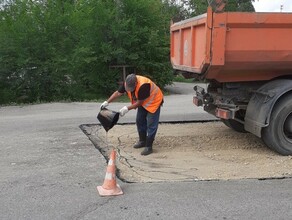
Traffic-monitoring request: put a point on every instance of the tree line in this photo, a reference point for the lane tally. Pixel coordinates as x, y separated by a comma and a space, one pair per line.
52, 50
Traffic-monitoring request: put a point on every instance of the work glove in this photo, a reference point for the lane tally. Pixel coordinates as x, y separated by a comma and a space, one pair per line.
123, 111
104, 105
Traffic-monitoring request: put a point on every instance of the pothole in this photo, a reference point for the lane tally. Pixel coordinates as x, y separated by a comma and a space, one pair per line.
190, 151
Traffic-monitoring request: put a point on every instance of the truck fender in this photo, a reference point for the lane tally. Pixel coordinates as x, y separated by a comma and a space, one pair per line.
261, 104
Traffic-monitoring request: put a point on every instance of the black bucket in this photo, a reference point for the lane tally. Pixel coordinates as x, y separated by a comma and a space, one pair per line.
108, 118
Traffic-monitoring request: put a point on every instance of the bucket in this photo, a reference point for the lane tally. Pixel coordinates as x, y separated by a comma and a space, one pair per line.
108, 118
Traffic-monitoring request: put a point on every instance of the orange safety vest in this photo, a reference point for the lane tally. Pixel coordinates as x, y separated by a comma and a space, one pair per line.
153, 102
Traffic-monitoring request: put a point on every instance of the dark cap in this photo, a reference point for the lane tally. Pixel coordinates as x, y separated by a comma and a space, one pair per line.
131, 82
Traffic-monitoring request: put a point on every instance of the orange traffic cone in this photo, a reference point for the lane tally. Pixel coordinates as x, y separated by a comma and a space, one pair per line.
110, 186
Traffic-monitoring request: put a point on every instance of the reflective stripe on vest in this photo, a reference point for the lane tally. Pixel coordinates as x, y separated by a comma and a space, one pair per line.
154, 89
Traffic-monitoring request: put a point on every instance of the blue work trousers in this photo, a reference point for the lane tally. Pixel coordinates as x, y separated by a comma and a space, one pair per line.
147, 122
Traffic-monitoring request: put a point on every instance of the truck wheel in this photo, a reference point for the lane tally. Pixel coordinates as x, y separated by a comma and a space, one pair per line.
278, 135
235, 125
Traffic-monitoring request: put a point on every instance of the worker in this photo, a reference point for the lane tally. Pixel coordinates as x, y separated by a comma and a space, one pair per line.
147, 97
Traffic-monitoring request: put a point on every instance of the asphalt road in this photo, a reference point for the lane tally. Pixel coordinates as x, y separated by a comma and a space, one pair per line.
50, 170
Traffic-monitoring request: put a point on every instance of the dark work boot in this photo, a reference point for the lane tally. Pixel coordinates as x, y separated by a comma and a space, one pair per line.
148, 149
142, 140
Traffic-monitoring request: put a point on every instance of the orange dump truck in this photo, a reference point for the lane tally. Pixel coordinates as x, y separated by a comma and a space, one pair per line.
246, 58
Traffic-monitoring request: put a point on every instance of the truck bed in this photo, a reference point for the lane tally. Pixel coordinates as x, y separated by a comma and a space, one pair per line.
233, 46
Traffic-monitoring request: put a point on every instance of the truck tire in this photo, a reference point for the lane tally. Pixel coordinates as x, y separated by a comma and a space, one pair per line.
278, 135
235, 125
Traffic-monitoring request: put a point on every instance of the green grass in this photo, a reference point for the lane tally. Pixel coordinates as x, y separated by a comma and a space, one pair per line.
123, 98
180, 78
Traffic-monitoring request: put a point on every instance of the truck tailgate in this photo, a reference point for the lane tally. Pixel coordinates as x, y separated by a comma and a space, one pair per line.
233, 46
